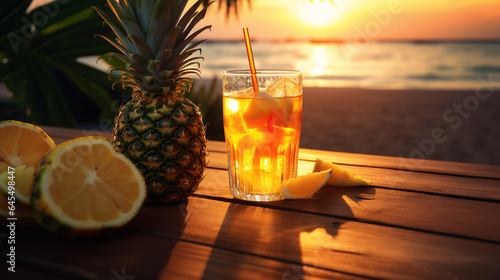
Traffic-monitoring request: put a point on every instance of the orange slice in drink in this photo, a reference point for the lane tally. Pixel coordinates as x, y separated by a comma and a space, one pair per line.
22, 145
340, 176
305, 186
84, 187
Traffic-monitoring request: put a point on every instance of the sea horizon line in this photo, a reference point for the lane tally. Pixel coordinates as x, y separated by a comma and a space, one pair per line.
379, 40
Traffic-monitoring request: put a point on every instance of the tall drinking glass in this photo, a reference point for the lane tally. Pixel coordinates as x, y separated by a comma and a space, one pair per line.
262, 131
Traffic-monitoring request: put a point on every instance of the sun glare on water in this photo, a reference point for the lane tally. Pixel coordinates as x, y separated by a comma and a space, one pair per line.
318, 13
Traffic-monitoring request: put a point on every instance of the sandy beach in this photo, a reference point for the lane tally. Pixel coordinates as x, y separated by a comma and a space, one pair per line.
444, 125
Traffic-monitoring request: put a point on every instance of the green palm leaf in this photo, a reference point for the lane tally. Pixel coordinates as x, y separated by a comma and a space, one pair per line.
40, 65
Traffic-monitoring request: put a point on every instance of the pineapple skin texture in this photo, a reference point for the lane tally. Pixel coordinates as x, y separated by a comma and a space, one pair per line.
167, 142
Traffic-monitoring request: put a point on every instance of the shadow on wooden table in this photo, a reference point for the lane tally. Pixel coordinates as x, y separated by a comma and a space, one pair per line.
289, 231
127, 252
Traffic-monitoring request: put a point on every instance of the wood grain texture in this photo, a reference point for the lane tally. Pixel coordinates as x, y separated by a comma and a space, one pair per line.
439, 184
146, 256
390, 202
402, 164
399, 163
432, 220
361, 249
447, 215
431, 166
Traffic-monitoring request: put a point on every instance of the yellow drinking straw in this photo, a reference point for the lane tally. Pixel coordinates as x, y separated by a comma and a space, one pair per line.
250, 60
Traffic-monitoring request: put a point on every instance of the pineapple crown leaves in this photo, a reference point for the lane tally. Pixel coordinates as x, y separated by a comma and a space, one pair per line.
153, 39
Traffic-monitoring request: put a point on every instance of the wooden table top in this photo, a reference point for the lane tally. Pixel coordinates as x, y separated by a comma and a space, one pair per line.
421, 219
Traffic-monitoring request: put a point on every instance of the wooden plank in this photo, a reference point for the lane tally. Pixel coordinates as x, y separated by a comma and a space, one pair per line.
375, 232
227, 263
145, 256
98, 258
60, 135
439, 184
397, 163
351, 247
419, 207
419, 211
455, 168
477, 188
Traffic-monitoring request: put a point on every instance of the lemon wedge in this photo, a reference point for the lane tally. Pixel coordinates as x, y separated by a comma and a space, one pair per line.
340, 176
305, 186
23, 179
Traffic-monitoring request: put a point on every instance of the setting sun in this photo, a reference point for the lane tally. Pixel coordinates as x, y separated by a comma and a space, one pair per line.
318, 13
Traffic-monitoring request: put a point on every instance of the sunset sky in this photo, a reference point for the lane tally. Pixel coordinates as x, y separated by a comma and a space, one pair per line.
354, 19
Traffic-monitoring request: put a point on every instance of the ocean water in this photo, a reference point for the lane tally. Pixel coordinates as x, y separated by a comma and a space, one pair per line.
385, 64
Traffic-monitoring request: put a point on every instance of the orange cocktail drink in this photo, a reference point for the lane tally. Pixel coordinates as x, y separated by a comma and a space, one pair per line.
262, 131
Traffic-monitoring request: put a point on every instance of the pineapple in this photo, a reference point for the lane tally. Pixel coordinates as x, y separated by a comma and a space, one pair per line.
159, 130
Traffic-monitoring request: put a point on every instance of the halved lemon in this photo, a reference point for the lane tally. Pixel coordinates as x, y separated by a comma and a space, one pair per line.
22, 145
340, 176
305, 186
84, 187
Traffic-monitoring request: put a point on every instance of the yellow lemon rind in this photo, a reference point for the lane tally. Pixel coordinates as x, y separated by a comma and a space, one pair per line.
321, 177
50, 215
23, 178
340, 177
21, 171
31, 127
